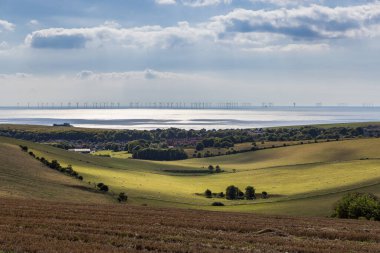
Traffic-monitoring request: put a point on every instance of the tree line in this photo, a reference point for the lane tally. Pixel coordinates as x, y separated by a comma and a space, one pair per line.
234, 193
119, 140
68, 170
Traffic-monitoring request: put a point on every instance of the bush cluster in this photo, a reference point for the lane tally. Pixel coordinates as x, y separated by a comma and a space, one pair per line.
358, 205
102, 187
122, 197
215, 169
233, 193
160, 154
217, 204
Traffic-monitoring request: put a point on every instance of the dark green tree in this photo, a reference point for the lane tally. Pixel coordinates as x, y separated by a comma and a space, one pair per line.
104, 188
240, 194
250, 192
199, 146
55, 165
232, 192
356, 205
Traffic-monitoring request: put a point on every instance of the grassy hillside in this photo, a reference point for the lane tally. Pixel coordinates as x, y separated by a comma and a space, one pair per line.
307, 179
347, 150
24, 177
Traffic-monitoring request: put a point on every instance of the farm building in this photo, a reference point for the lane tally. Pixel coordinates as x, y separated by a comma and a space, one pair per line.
81, 150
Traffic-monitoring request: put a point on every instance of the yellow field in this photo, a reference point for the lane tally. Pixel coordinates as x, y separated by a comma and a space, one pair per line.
305, 177
112, 154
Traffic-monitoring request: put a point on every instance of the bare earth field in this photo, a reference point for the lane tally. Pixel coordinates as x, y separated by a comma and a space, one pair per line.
43, 226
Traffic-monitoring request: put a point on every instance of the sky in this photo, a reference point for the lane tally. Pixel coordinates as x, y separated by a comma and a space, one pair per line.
256, 51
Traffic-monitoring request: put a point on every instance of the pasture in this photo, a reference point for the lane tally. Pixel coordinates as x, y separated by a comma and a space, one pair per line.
302, 180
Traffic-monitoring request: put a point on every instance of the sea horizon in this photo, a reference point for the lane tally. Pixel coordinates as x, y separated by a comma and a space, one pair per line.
185, 118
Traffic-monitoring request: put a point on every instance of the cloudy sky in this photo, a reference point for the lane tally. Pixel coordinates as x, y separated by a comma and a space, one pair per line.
279, 51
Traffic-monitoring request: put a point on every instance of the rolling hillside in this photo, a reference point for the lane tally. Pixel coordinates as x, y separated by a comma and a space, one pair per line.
303, 179
24, 177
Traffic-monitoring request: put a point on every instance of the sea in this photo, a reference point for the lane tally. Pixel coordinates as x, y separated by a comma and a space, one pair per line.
128, 118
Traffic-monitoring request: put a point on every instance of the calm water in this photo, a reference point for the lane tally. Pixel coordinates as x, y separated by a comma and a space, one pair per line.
190, 119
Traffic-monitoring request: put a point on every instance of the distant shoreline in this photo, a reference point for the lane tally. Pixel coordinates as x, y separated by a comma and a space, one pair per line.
147, 119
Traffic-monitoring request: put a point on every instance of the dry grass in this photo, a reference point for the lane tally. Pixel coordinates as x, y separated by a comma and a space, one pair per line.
42, 226
22, 176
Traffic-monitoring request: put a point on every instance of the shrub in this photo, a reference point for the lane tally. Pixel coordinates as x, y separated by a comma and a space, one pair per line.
122, 197
217, 204
211, 168
250, 192
218, 169
54, 165
24, 148
358, 205
208, 193
80, 178
232, 192
199, 146
104, 188
73, 173
264, 195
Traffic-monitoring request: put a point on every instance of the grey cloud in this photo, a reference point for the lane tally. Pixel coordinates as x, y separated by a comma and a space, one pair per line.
241, 28
310, 23
64, 41
85, 74
136, 37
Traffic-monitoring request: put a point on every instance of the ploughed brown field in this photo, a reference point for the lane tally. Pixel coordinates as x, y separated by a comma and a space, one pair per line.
45, 226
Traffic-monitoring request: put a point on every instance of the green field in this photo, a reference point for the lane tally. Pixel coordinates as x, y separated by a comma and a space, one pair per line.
240, 147
21, 176
112, 154
303, 179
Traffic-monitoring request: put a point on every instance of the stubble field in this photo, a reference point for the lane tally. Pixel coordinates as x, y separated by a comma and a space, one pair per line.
42, 226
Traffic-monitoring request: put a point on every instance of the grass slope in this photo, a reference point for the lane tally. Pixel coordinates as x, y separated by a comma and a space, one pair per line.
24, 177
309, 178
324, 152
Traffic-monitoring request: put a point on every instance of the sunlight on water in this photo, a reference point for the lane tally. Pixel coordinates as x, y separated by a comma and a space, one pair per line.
190, 119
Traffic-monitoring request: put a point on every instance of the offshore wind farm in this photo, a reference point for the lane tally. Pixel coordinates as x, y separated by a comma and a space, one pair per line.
125, 117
